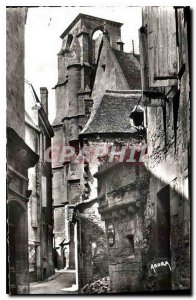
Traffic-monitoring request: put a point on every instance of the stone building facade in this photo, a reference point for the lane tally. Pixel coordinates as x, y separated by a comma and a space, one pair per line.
77, 66
38, 134
122, 185
20, 157
146, 206
165, 60
116, 93
92, 242
138, 106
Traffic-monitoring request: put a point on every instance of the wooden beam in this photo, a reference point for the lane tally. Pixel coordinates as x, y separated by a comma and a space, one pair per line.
169, 77
153, 94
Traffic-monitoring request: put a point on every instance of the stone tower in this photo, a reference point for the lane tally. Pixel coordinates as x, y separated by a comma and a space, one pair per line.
77, 64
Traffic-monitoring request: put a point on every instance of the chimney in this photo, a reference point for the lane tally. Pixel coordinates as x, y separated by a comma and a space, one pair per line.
120, 45
133, 47
44, 98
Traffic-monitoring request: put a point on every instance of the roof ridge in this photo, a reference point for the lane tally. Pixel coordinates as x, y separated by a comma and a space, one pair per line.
79, 16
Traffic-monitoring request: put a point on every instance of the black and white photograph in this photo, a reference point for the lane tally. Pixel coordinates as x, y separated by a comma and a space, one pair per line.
98, 150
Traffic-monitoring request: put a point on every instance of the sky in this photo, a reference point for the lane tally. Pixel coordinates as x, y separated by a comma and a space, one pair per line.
42, 40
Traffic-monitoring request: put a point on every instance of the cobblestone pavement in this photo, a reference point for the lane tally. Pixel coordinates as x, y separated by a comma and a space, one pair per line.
54, 284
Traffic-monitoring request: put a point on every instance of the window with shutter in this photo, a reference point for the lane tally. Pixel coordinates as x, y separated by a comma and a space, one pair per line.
162, 50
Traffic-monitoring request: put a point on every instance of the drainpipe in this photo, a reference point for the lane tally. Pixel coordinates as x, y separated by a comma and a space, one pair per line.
40, 210
133, 47
77, 232
76, 251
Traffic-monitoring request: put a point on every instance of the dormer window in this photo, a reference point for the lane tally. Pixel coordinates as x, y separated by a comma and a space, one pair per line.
120, 45
137, 116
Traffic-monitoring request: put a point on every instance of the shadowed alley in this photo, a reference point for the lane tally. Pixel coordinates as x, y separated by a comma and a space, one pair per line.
55, 284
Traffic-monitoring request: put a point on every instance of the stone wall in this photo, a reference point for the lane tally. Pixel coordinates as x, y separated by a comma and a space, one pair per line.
131, 197
16, 18
19, 156
109, 77
19, 159
123, 191
34, 206
77, 51
62, 102
169, 164
125, 265
93, 253
40, 212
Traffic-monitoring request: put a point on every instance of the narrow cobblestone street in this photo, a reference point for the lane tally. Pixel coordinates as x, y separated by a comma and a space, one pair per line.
56, 284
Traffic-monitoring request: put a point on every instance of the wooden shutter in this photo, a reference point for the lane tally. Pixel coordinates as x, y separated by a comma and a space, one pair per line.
162, 50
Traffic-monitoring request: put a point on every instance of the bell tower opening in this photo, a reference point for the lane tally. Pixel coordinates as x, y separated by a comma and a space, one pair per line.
96, 42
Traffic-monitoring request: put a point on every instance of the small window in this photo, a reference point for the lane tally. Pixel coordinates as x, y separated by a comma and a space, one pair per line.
67, 43
103, 67
93, 249
88, 106
130, 243
87, 110
137, 116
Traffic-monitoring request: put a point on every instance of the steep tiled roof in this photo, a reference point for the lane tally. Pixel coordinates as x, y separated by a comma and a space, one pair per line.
130, 65
113, 115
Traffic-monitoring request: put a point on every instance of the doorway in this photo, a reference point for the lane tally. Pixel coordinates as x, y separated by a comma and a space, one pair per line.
163, 236
14, 214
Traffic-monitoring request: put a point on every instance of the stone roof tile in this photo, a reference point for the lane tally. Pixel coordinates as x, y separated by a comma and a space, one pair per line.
113, 115
130, 65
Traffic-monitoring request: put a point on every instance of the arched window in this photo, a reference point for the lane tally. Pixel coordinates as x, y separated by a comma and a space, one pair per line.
96, 42
97, 34
67, 43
